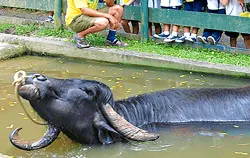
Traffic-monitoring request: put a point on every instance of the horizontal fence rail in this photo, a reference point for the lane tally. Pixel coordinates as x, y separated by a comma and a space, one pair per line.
187, 18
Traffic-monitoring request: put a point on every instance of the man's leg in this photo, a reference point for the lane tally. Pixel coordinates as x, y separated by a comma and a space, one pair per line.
233, 41
157, 28
50, 17
116, 11
87, 25
135, 26
149, 29
174, 34
233, 37
125, 26
247, 41
99, 25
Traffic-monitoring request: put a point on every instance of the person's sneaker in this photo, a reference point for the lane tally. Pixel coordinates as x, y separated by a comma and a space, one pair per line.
161, 35
50, 19
170, 38
181, 39
81, 42
202, 39
191, 39
211, 40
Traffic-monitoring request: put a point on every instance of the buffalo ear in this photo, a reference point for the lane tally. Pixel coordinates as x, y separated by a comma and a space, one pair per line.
106, 134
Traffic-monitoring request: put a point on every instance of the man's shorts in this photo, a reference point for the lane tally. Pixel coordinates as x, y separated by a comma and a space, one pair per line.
83, 22
235, 34
196, 6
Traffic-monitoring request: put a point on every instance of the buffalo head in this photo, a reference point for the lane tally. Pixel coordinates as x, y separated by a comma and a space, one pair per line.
81, 109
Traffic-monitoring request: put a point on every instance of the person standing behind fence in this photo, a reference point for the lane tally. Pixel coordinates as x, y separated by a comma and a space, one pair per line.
154, 4
135, 23
234, 8
170, 4
196, 6
50, 18
209, 35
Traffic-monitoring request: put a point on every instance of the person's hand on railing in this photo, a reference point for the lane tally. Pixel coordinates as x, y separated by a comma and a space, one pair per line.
241, 2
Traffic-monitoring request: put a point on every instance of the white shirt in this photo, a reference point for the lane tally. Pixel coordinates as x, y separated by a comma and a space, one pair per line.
171, 3
233, 8
154, 3
213, 5
135, 3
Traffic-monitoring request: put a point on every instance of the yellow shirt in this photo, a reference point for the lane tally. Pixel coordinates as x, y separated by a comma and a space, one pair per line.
74, 8
125, 1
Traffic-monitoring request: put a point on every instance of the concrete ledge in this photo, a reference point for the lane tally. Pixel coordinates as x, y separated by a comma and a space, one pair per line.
57, 47
10, 50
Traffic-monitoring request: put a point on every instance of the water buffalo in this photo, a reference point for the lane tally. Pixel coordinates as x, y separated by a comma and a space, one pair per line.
85, 110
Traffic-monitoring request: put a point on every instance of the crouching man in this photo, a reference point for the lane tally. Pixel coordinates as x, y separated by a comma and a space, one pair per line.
84, 18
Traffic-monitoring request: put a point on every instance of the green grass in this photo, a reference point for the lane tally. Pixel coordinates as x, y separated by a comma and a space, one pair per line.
179, 51
4, 27
25, 29
63, 33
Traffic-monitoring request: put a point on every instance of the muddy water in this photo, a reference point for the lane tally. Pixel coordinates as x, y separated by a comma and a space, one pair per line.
180, 141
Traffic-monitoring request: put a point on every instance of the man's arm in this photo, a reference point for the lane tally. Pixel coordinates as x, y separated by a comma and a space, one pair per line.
94, 13
224, 2
241, 2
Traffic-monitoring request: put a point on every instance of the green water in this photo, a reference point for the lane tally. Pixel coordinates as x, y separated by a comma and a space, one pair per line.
174, 142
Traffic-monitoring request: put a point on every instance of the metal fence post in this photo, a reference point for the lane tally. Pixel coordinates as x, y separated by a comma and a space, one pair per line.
144, 20
58, 14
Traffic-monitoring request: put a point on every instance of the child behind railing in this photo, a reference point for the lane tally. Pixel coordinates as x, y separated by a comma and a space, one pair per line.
135, 23
234, 8
209, 35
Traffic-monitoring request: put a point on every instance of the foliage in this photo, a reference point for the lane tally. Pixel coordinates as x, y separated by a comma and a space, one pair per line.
62, 33
25, 29
5, 27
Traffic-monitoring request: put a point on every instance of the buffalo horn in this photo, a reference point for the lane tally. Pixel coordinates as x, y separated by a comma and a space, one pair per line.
125, 128
50, 135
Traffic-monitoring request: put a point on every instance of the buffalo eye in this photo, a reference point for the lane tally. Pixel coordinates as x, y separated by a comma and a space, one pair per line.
89, 92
